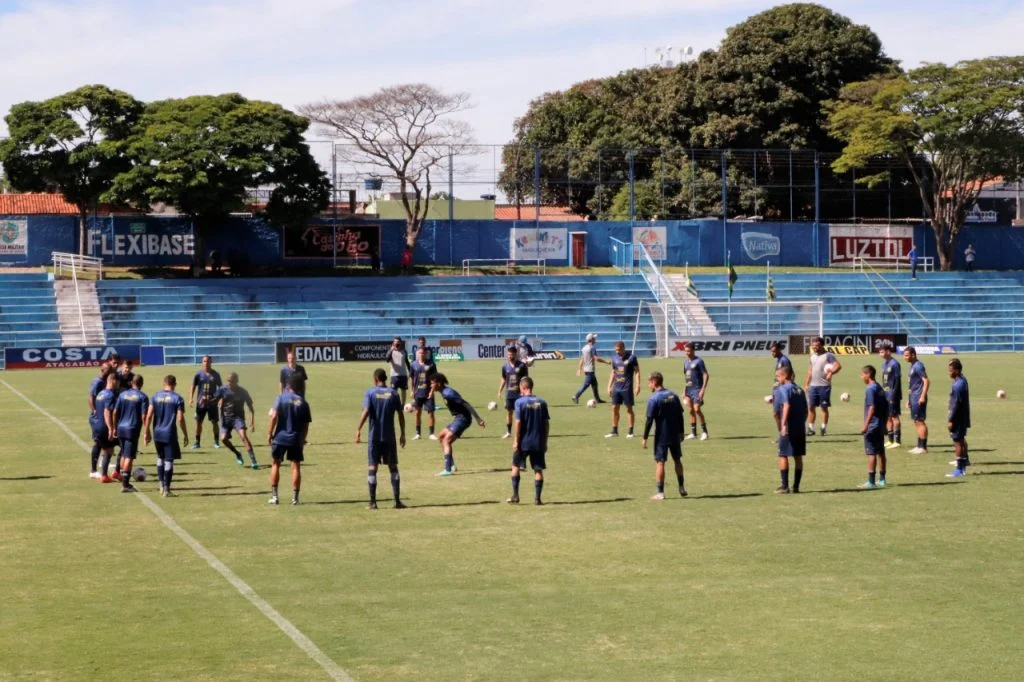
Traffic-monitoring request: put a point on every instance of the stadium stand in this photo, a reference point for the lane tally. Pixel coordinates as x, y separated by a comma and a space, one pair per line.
28, 311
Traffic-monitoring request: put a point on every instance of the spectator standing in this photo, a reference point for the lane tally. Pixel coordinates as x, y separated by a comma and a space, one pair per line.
913, 261
969, 256
406, 261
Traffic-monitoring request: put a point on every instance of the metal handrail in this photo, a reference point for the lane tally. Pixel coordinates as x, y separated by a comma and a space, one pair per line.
657, 282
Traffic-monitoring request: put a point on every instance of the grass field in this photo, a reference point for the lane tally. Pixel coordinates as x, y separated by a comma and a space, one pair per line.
921, 580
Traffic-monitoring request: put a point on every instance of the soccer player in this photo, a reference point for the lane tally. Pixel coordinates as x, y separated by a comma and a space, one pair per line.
876, 415
400, 367
206, 382
697, 380
428, 354
232, 400
380, 405
665, 413
958, 420
293, 368
286, 434
125, 376
103, 444
588, 356
463, 415
781, 360
125, 423
165, 414
525, 350
96, 422
918, 384
625, 375
892, 382
512, 373
530, 441
789, 403
823, 366
422, 391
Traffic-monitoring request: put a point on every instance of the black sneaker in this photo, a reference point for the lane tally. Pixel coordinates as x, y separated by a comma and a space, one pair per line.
513, 500
795, 491
372, 505
128, 489
538, 502
782, 490
399, 504
575, 400
682, 491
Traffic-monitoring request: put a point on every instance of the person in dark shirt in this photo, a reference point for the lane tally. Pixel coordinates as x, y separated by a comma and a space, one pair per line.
623, 385
165, 415
665, 415
205, 383
96, 422
789, 404
125, 376
892, 382
380, 405
232, 400
293, 368
126, 423
697, 379
876, 414
428, 353
103, 444
958, 419
530, 439
422, 391
511, 373
781, 360
918, 384
463, 415
286, 434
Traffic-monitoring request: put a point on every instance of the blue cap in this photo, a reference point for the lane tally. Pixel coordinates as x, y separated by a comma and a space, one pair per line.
522, 339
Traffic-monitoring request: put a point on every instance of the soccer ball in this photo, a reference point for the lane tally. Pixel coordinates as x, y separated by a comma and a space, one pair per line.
139, 474
828, 369
1001, 394
845, 397
408, 407
492, 406
591, 403
768, 399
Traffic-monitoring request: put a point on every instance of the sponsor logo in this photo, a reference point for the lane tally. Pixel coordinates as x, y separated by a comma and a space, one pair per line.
728, 345
13, 237
851, 242
141, 244
549, 355
326, 241
976, 215
653, 239
528, 242
930, 350
70, 356
761, 245
847, 344
449, 350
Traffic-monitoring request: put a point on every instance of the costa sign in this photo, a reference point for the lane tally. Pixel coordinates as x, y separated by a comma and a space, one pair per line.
728, 345
847, 344
66, 356
850, 242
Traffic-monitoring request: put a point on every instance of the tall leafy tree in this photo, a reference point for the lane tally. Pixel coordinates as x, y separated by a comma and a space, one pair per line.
953, 127
72, 144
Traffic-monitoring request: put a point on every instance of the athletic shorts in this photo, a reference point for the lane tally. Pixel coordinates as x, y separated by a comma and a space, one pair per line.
209, 412
874, 442
226, 427
458, 426
400, 383
382, 453
662, 451
426, 404
918, 412
958, 433
620, 397
510, 403
129, 447
168, 451
693, 395
820, 396
101, 437
293, 453
894, 408
536, 460
793, 444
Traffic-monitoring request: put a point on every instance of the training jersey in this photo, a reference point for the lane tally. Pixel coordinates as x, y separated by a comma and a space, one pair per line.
166, 405
693, 372
780, 362
428, 354
206, 385
874, 396
892, 380
589, 355
916, 380
287, 372
233, 402
131, 407
399, 363
794, 396
421, 374
455, 404
512, 374
532, 414
124, 380
818, 362
104, 401
623, 369
382, 403
959, 403
665, 414
97, 385
293, 413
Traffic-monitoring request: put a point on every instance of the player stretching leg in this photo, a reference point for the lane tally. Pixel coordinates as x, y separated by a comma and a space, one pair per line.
205, 382
286, 434
166, 412
530, 439
665, 413
511, 373
463, 415
697, 380
918, 384
823, 366
233, 399
958, 420
876, 414
623, 386
789, 403
128, 416
380, 405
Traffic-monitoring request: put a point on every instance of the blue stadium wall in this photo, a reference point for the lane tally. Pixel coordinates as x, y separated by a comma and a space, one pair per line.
441, 243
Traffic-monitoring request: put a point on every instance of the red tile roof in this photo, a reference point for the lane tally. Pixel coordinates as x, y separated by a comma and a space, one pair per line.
528, 212
35, 204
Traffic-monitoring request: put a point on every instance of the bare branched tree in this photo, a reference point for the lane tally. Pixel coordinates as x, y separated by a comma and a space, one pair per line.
404, 130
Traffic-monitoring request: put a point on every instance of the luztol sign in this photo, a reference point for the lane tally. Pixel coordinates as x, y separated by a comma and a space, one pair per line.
848, 243
68, 356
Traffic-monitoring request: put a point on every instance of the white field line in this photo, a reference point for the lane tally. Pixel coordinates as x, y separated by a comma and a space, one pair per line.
333, 670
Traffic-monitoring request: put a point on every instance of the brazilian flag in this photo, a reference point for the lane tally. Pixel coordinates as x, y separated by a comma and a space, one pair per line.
731, 274
691, 288
770, 289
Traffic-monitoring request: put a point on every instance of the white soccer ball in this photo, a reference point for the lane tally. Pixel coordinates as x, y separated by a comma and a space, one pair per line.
828, 369
591, 403
768, 399
492, 406
845, 397
139, 474
408, 407
1001, 394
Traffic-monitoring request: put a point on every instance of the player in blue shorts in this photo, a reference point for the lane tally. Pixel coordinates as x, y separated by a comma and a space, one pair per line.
286, 434
665, 414
958, 419
789, 404
96, 420
232, 400
463, 415
125, 375
876, 415
918, 384
165, 414
400, 367
623, 387
697, 379
205, 383
380, 405
892, 383
423, 391
291, 367
530, 439
512, 373
103, 405
822, 367
127, 417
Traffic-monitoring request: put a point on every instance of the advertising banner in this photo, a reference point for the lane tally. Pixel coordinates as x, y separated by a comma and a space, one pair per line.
144, 243
847, 344
758, 245
653, 238
353, 240
728, 345
930, 350
67, 356
849, 242
478, 348
549, 243
14, 237
332, 351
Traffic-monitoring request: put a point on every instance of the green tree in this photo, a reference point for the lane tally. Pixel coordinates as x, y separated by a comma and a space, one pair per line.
72, 144
201, 154
954, 127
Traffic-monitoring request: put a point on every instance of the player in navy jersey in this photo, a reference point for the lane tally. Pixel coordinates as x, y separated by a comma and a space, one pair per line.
286, 434
623, 387
918, 384
463, 415
127, 418
789, 404
781, 361
380, 405
958, 419
125, 375
232, 400
96, 422
512, 373
422, 391
892, 383
205, 383
165, 415
530, 439
103, 444
428, 353
876, 415
665, 414
697, 379
291, 367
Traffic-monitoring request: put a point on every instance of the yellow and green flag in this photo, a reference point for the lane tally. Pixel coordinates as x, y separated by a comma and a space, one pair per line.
731, 273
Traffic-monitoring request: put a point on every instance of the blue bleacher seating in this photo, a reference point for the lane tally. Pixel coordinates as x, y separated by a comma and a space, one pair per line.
28, 311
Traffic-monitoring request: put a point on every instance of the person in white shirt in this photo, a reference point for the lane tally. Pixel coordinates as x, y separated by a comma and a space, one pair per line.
400, 367
588, 356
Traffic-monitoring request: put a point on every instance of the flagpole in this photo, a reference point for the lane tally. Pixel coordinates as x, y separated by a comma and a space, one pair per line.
728, 276
767, 293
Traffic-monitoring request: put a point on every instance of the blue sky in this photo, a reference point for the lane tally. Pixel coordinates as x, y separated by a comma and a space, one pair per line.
502, 53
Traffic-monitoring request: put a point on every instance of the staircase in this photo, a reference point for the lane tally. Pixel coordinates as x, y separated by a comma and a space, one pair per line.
698, 322
79, 330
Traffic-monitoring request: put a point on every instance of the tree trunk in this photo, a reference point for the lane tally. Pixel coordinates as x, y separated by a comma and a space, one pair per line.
413, 227
82, 241
943, 245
